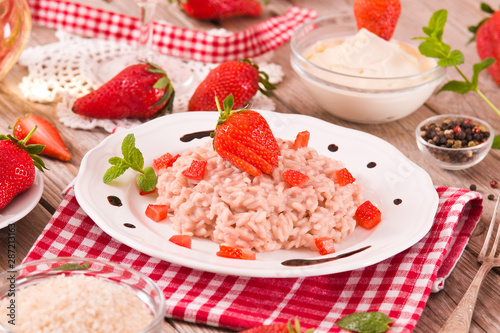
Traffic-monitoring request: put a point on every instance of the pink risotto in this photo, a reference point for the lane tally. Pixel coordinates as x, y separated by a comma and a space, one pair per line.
263, 213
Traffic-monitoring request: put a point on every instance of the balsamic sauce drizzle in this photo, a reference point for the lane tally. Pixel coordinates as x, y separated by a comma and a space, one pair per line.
114, 200
195, 135
307, 262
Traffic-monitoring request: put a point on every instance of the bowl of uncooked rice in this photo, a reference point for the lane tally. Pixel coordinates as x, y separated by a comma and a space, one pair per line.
262, 213
84, 295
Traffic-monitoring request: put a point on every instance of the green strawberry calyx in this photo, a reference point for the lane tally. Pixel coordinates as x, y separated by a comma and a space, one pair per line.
264, 85
473, 28
33, 150
227, 110
163, 83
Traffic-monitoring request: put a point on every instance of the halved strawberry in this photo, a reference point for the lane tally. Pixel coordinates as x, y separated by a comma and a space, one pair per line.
164, 161
181, 240
196, 170
157, 213
235, 253
367, 215
46, 134
344, 177
325, 245
302, 140
294, 177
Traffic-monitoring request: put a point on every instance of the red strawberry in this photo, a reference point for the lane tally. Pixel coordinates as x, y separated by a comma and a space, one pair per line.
488, 42
279, 328
295, 178
157, 213
164, 161
325, 245
17, 163
377, 16
196, 170
344, 177
220, 9
301, 140
244, 138
235, 253
45, 135
139, 91
367, 215
181, 240
240, 78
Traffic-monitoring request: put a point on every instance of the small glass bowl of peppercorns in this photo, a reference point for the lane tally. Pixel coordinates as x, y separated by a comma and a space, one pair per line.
454, 142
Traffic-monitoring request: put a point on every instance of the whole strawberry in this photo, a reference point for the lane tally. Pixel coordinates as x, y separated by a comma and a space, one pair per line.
243, 137
139, 91
240, 78
377, 16
17, 164
488, 40
220, 9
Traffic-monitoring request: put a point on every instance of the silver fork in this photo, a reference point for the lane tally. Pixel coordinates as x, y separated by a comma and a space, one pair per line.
461, 317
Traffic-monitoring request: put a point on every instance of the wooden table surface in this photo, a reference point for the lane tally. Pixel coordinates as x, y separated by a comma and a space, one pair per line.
291, 97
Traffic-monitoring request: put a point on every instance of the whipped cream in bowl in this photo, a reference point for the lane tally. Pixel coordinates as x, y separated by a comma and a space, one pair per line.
358, 76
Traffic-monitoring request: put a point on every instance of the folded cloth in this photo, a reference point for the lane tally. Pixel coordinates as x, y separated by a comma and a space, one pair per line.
87, 21
398, 286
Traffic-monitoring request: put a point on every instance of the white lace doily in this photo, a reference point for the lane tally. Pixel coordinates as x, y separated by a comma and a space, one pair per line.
69, 69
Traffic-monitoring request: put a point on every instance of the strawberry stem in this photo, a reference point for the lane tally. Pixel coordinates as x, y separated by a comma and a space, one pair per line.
28, 137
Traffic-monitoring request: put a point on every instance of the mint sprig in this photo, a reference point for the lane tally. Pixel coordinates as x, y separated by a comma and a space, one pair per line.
132, 158
434, 47
365, 322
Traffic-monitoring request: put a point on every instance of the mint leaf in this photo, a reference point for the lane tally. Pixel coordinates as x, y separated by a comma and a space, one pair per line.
365, 322
457, 86
147, 180
114, 172
132, 158
454, 58
496, 142
72, 266
436, 24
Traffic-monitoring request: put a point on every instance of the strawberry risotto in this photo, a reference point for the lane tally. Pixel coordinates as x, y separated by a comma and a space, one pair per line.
263, 213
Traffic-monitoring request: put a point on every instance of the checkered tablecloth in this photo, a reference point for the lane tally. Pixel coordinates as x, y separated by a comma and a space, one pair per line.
398, 286
87, 21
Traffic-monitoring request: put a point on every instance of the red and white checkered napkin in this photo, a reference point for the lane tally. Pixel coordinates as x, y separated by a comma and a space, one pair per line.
168, 39
398, 286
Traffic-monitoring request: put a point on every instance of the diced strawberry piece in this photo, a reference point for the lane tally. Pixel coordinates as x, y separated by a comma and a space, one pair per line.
196, 170
157, 213
377, 16
302, 140
235, 253
164, 161
367, 215
325, 245
294, 177
141, 192
344, 177
46, 134
181, 240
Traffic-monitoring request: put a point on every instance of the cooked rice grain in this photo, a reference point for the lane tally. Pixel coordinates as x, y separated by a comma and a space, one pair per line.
262, 213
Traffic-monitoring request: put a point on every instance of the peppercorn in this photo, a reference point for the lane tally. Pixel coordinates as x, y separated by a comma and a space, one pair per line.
473, 187
494, 184
491, 197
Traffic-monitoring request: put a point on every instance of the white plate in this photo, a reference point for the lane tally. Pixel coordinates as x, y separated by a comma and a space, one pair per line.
23, 203
394, 177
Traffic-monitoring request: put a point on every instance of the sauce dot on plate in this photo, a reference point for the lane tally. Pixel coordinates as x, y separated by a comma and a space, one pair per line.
332, 147
114, 200
397, 201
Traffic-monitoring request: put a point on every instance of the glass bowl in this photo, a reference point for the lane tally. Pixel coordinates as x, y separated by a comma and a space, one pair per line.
357, 98
454, 158
122, 287
15, 28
